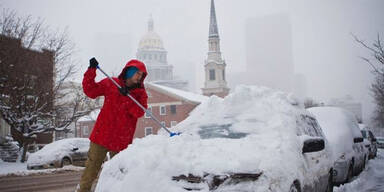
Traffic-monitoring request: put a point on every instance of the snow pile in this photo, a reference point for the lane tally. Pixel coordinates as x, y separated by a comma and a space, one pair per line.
252, 130
57, 150
336, 124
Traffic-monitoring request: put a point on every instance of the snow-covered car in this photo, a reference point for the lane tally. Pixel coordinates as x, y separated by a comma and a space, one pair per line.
342, 131
372, 143
380, 142
255, 139
59, 153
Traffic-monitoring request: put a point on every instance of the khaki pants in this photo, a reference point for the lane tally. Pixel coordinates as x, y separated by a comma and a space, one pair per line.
96, 156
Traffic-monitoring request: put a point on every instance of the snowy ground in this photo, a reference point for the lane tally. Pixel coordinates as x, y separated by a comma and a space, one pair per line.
21, 169
371, 180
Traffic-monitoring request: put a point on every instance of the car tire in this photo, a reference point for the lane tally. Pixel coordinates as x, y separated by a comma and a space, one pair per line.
330, 183
65, 161
295, 187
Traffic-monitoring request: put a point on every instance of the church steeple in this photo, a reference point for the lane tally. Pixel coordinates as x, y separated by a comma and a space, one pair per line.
213, 32
215, 83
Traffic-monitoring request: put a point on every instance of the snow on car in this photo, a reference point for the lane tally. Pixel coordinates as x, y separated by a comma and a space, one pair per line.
380, 142
342, 131
256, 139
371, 139
60, 153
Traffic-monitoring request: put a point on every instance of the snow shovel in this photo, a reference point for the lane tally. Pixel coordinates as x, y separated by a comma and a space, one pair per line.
149, 113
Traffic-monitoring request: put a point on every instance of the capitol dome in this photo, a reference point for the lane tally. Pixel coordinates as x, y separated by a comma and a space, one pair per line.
151, 40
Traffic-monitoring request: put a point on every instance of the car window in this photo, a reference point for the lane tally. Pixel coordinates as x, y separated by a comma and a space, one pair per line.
364, 133
311, 127
219, 131
371, 135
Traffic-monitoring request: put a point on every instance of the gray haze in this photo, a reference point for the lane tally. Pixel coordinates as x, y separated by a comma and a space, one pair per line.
324, 59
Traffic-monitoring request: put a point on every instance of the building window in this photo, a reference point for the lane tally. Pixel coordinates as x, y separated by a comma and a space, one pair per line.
163, 110
173, 109
223, 74
163, 123
148, 131
85, 130
149, 110
212, 74
173, 123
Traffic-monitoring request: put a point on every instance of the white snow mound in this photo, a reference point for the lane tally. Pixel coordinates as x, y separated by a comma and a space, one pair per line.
252, 130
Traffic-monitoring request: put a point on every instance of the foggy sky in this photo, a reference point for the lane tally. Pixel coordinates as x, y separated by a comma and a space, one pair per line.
322, 48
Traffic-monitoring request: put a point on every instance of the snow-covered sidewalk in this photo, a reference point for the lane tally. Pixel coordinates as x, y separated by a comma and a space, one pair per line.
21, 169
370, 180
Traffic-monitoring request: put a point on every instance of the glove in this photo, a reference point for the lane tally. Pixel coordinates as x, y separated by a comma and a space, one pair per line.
124, 90
93, 63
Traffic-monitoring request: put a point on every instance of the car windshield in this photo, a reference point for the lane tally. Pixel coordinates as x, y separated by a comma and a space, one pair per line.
219, 131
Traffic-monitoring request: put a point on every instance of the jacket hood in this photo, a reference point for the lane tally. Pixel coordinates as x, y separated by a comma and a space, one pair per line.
134, 63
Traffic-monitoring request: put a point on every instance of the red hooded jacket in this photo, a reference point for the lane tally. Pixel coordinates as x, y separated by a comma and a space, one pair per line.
116, 123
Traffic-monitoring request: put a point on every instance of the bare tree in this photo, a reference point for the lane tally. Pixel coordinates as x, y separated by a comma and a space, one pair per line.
376, 61
35, 63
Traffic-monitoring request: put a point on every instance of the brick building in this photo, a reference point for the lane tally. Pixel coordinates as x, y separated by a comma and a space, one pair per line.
170, 106
21, 65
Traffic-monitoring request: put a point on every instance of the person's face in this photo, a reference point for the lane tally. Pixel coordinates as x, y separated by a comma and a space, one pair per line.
134, 79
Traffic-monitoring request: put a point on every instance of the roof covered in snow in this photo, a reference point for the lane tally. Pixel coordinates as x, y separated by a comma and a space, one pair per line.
91, 117
184, 95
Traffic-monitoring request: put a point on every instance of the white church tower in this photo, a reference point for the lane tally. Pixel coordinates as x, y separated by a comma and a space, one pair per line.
215, 83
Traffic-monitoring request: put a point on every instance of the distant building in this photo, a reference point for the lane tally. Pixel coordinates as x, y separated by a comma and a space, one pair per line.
169, 105
269, 54
84, 125
152, 52
215, 80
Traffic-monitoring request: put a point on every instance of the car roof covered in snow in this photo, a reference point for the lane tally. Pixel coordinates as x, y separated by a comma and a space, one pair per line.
339, 126
58, 149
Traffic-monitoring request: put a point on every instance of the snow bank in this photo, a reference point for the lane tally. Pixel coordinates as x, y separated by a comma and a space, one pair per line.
252, 130
20, 169
337, 125
57, 150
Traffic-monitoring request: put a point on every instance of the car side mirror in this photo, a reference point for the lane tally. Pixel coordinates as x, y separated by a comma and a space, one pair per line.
358, 139
75, 149
313, 145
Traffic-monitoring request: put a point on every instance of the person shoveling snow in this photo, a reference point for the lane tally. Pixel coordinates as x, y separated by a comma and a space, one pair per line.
116, 122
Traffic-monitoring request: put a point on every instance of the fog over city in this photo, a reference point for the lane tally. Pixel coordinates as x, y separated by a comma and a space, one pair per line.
302, 46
